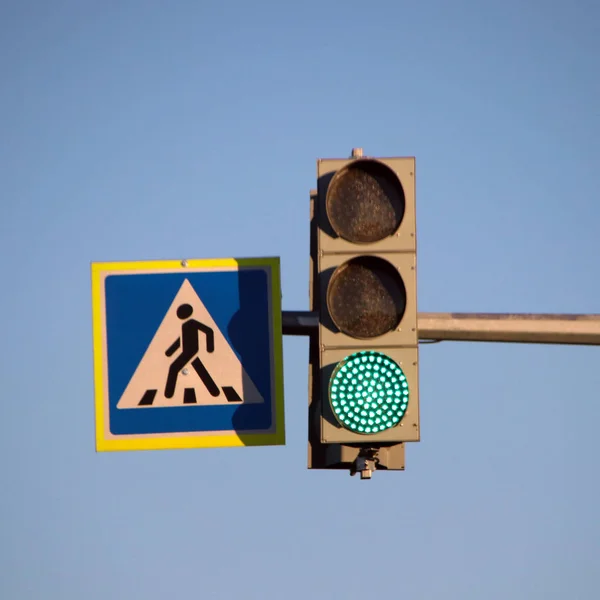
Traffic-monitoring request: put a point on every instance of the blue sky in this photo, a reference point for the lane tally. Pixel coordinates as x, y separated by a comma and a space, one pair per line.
149, 130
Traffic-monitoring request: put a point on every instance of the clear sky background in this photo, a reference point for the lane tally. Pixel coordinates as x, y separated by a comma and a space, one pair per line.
152, 129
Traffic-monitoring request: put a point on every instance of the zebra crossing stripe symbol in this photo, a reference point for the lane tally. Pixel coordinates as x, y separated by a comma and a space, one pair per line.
188, 362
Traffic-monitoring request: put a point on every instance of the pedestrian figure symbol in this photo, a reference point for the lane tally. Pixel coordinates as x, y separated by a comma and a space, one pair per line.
189, 344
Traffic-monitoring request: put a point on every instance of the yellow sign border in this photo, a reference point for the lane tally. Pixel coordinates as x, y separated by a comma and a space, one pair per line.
152, 442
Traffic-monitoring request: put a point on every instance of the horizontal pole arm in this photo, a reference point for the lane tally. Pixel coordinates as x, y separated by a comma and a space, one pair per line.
482, 327
299, 322
520, 328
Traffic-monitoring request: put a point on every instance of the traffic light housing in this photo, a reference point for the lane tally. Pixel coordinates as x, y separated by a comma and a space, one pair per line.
364, 358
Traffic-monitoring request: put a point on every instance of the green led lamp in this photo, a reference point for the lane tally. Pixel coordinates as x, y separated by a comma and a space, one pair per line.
368, 392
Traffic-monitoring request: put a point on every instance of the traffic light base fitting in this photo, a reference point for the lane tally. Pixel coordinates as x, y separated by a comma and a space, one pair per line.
357, 459
365, 463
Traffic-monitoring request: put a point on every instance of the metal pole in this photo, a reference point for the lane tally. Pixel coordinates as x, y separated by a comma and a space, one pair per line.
484, 327
299, 322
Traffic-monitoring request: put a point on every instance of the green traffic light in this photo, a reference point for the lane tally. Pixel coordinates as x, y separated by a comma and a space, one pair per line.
368, 392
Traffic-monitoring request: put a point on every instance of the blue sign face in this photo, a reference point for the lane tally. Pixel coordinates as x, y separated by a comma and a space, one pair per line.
187, 356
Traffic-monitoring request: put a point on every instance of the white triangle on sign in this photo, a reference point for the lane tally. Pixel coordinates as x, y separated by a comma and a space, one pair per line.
201, 377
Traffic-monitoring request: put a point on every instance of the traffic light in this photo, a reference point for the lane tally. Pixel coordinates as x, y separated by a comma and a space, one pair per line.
364, 359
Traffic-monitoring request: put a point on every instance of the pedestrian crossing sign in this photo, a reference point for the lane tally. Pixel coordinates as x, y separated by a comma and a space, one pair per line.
187, 354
